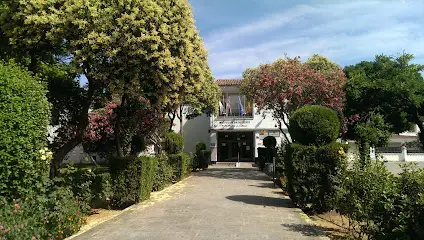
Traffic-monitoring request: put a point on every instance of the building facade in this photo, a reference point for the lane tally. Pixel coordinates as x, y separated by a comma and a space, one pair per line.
238, 129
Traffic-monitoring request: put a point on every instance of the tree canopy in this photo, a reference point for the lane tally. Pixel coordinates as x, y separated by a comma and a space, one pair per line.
390, 87
126, 50
288, 84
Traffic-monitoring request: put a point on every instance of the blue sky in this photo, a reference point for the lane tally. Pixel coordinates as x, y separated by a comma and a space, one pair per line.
245, 33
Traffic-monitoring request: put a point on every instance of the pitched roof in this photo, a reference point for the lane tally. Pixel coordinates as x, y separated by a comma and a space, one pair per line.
228, 82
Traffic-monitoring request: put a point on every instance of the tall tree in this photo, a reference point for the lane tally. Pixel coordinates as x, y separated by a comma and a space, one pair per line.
390, 87
132, 48
288, 84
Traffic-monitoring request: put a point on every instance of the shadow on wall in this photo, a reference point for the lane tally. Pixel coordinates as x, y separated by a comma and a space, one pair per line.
196, 130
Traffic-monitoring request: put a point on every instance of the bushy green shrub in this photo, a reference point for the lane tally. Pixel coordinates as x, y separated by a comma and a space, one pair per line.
314, 125
132, 179
53, 215
79, 180
24, 117
202, 157
314, 174
381, 205
173, 143
101, 189
180, 165
270, 142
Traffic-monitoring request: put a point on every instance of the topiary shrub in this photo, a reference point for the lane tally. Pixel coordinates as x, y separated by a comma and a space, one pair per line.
314, 125
270, 142
132, 179
314, 174
202, 157
101, 189
24, 117
173, 143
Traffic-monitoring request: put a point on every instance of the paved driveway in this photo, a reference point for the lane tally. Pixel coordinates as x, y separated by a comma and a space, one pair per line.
220, 203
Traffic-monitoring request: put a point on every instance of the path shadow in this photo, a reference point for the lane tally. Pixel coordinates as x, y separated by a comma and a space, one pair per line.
316, 231
265, 185
262, 201
234, 173
306, 229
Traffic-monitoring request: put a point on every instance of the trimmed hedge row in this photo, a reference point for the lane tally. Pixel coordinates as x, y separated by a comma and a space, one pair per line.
132, 179
314, 174
180, 164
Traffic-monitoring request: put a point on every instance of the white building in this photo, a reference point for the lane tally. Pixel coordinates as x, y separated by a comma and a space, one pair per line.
236, 132
235, 135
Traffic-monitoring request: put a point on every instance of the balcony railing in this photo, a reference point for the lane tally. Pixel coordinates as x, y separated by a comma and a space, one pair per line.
235, 115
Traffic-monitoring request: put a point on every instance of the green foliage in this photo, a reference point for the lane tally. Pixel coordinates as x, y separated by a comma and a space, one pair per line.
390, 86
391, 209
201, 158
148, 169
180, 165
314, 174
24, 117
101, 189
200, 146
79, 181
270, 142
132, 179
314, 125
53, 215
366, 194
173, 143
164, 174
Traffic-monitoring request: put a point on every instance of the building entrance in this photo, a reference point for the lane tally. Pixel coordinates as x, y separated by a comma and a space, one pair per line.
234, 146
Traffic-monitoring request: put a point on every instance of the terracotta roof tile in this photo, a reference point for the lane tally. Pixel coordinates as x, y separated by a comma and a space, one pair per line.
228, 82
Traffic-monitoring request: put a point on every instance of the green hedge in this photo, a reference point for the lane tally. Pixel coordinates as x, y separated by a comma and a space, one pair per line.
164, 174
148, 169
314, 174
201, 158
132, 179
180, 164
51, 215
24, 117
314, 125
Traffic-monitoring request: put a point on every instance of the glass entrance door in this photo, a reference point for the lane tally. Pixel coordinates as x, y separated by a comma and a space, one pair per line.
234, 146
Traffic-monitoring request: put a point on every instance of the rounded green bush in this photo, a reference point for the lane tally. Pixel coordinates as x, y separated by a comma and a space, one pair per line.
24, 117
270, 142
174, 143
314, 125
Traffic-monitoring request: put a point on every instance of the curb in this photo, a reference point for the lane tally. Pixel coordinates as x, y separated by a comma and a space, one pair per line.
132, 207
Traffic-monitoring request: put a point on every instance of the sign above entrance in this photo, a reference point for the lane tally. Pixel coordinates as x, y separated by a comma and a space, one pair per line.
231, 124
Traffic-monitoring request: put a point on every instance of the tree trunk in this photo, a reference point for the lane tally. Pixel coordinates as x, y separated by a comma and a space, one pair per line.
172, 118
118, 127
83, 123
180, 117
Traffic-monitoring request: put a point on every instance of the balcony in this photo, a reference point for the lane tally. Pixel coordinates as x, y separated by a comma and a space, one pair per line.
235, 106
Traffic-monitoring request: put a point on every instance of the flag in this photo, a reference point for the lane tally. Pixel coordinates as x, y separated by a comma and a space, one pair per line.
229, 107
241, 111
221, 108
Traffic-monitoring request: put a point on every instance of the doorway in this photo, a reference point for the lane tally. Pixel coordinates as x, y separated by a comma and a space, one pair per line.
234, 146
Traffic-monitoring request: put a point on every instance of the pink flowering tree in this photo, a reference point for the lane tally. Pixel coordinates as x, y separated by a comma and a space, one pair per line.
287, 84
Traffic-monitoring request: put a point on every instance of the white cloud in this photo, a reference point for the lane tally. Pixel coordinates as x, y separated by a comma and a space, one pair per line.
346, 32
